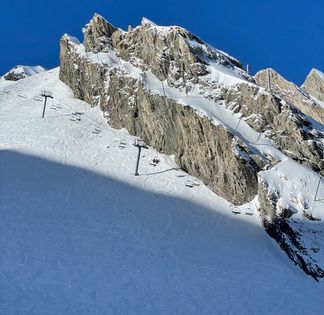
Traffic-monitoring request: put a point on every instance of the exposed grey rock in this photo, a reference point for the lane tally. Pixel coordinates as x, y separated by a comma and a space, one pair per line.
290, 93
284, 123
169, 53
314, 84
201, 148
97, 34
85, 78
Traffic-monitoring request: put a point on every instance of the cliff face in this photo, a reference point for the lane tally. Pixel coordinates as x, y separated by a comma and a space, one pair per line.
202, 148
97, 35
188, 99
85, 78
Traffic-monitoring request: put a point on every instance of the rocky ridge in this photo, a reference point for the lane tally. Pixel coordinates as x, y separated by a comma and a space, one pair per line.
188, 99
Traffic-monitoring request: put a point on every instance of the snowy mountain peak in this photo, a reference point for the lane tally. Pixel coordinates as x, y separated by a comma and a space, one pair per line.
197, 58
97, 33
21, 72
314, 85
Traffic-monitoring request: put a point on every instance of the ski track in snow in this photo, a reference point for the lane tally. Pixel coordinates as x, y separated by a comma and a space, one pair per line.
80, 234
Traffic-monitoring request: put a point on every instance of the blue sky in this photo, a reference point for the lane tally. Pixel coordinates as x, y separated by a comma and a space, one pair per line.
286, 35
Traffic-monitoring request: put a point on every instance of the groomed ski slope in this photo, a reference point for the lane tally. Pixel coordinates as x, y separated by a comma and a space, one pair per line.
80, 234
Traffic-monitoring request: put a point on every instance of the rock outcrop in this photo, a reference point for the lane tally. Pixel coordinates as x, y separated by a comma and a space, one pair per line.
170, 53
184, 97
209, 152
87, 79
97, 35
314, 84
290, 129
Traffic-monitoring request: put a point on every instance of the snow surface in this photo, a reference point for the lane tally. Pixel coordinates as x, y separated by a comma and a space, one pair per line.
223, 75
298, 189
80, 234
219, 73
4, 83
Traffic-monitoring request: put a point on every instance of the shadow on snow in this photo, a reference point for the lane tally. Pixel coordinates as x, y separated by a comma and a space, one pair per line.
77, 242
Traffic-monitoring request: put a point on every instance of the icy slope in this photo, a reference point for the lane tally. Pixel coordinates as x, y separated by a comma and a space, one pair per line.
81, 235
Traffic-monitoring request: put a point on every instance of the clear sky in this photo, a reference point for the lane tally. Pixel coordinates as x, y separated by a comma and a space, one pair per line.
286, 35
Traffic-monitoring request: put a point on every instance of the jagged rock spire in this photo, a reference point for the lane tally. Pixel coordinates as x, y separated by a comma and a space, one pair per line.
97, 34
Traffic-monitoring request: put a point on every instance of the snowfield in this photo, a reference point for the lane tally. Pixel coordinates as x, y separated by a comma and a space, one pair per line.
80, 234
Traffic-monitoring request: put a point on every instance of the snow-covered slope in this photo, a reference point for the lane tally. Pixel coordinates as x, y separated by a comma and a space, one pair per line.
20, 72
80, 234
